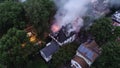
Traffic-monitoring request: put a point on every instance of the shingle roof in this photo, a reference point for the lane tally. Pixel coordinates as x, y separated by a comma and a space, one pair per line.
90, 50
88, 53
49, 50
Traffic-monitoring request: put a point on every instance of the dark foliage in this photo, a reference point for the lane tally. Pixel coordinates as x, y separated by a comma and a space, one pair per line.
38, 12
110, 57
104, 31
12, 53
11, 15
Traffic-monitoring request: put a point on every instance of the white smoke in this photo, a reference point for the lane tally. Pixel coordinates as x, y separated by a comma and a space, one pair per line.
70, 10
60, 3
114, 3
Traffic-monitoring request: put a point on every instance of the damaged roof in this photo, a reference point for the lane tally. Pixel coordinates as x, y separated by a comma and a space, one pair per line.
62, 35
116, 17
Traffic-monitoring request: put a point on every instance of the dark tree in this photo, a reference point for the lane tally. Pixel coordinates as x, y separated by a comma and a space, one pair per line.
38, 12
104, 31
11, 15
110, 57
15, 49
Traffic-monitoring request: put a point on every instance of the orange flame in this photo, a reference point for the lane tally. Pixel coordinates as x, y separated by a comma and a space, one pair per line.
33, 39
55, 28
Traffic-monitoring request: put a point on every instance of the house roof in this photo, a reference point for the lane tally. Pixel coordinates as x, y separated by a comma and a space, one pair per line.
61, 36
89, 50
50, 49
116, 17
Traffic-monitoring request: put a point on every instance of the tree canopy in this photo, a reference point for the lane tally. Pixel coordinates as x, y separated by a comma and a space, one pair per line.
106, 34
104, 31
110, 57
38, 12
12, 52
11, 15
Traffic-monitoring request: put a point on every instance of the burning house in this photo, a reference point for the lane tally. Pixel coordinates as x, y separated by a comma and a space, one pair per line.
86, 54
68, 22
64, 35
59, 38
116, 18
63, 31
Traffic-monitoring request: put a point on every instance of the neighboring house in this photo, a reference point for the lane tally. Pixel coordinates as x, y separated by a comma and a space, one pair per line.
86, 54
49, 50
116, 18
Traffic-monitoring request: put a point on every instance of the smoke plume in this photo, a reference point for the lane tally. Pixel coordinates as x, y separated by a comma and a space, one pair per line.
114, 3
69, 11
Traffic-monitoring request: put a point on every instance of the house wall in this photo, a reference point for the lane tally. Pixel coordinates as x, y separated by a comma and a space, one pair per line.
46, 58
75, 64
71, 39
87, 61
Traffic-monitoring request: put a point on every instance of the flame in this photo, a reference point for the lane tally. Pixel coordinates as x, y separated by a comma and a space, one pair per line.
33, 39
55, 28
